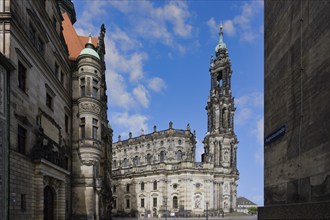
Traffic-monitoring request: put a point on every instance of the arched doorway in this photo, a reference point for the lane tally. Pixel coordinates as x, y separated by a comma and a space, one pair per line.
48, 203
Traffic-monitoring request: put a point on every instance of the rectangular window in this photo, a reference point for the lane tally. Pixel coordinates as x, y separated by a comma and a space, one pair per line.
49, 101
82, 91
127, 203
82, 128
40, 45
127, 188
54, 22
94, 135
32, 34
62, 78
154, 202
21, 76
95, 91
66, 121
56, 70
114, 189
23, 202
21, 139
95, 82
142, 203
66, 163
114, 204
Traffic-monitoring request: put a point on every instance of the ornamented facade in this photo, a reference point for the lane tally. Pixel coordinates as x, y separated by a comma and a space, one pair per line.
56, 150
156, 174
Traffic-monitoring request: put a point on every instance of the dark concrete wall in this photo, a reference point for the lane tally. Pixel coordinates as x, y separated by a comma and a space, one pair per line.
297, 94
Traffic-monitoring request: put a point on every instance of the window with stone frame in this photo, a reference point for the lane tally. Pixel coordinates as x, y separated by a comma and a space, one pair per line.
155, 185
114, 204
149, 158
127, 203
32, 34
95, 88
142, 202
22, 76
56, 70
66, 123
154, 202
125, 162
127, 187
136, 160
49, 101
95, 128
62, 78
142, 186
50, 96
82, 87
21, 139
175, 202
114, 188
179, 155
82, 127
162, 156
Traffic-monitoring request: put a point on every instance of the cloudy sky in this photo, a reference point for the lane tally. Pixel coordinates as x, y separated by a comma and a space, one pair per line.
158, 56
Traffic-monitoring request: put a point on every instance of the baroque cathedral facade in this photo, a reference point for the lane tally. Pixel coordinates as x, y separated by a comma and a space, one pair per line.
156, 175
55, 141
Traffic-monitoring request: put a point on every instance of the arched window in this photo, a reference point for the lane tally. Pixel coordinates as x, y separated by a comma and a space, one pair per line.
142, 186
125, 162
149, 157
155, 185
175, 202
179, 155
136, 160
162, 156
223, 118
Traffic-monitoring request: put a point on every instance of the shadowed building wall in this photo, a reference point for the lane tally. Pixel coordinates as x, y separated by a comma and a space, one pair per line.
297, 109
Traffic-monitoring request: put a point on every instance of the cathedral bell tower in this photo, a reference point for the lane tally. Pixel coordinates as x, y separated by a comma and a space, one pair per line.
220, 143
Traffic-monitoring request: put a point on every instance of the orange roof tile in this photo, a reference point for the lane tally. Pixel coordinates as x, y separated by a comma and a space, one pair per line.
74, 42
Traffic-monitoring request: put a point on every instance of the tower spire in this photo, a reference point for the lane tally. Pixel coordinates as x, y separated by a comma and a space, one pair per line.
221, 33
90, 38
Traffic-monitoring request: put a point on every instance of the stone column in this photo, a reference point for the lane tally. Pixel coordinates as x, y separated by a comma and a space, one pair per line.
221, 195
215, 195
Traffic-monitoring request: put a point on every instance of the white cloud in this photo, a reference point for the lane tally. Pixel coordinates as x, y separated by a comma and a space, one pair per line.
243, 115
117, 91
228, 28
123, 40
129, 123
157, 84
142, 95
246, 105
213, 26
241, 23
163, 24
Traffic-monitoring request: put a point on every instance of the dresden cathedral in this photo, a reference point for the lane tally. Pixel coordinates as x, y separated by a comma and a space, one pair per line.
57, 157
156, 175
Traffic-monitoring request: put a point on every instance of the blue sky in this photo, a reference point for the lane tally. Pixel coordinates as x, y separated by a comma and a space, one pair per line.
158, 56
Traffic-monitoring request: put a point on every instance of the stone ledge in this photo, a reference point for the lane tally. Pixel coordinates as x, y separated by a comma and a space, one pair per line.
319, 210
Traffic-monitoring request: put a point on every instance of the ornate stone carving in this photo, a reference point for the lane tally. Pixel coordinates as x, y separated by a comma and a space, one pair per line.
89, 107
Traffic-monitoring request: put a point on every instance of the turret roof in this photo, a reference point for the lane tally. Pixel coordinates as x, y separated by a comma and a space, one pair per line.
74, 42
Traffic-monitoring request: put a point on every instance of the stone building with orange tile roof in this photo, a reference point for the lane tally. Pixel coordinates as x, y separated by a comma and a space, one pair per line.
56, 137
